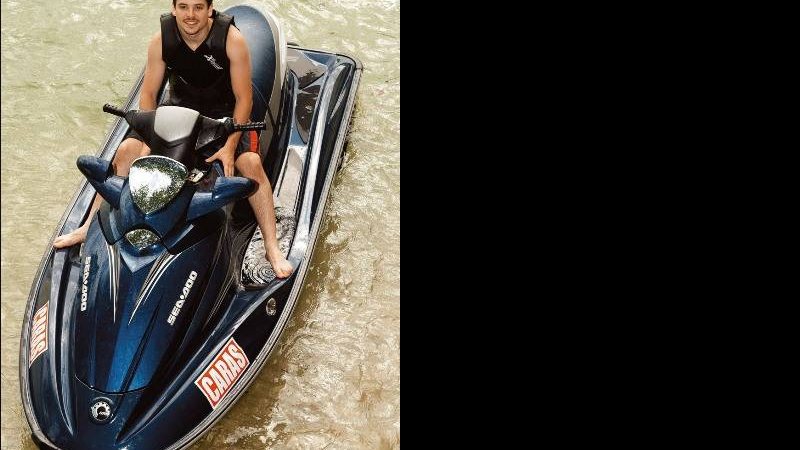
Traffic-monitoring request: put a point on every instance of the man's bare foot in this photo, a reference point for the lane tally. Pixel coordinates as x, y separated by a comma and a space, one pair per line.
279, 263
70, 239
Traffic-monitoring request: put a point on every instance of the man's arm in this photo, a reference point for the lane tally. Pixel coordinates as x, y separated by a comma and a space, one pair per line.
153, 74
241, 82
241, 76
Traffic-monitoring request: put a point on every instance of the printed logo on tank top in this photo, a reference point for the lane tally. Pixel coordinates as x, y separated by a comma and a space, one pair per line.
210, 59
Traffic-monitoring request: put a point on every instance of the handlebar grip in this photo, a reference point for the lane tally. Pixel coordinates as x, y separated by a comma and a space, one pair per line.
113, 110
250, 126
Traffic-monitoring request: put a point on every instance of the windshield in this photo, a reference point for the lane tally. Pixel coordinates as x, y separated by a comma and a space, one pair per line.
155, 181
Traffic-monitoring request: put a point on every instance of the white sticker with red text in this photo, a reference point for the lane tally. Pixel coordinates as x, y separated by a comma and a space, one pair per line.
223, 372
38, 341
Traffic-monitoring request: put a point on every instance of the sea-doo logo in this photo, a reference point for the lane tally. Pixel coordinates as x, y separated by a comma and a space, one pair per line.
101, 411
224, 371
210, 59
38, 340
85, 286
179, 304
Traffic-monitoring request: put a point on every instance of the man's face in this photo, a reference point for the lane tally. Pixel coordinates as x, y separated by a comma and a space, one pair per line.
192, 15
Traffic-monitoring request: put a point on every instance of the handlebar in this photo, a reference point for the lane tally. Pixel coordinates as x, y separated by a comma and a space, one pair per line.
255, 126
250, 126
113, 110
207, 134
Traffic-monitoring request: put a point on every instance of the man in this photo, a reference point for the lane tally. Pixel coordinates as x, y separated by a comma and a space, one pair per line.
208, 65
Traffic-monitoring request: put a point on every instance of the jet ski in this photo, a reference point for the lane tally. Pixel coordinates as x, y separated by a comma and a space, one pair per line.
147, 334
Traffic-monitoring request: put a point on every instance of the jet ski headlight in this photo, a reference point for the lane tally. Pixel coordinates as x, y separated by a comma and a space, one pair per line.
155, 181
141, 238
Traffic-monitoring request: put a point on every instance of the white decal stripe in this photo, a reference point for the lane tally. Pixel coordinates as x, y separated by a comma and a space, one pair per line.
115, 279
111, 270
157, 275
156, 272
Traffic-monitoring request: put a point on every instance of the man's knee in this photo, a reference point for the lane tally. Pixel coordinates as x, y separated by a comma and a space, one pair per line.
249, 164
129, 148
127, 152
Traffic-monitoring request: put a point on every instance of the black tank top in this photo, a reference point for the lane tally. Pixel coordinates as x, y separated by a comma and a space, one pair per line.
199, 79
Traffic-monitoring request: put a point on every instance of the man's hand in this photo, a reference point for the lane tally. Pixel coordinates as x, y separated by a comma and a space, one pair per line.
225, 156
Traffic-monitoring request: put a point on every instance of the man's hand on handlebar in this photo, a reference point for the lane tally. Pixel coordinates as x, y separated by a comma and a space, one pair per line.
225, 155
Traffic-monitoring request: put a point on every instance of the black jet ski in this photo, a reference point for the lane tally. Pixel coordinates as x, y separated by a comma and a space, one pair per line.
147, 334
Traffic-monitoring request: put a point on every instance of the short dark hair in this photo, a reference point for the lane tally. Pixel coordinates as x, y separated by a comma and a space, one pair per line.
208, 3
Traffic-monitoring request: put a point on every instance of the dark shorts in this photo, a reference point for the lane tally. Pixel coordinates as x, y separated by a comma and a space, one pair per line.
247, 143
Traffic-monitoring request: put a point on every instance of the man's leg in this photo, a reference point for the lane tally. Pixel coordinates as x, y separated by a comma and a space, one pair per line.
249, 165
128, 151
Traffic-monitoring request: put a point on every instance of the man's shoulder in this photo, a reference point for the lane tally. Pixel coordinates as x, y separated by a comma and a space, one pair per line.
234, 32
154, 49
156, 39
235, 38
